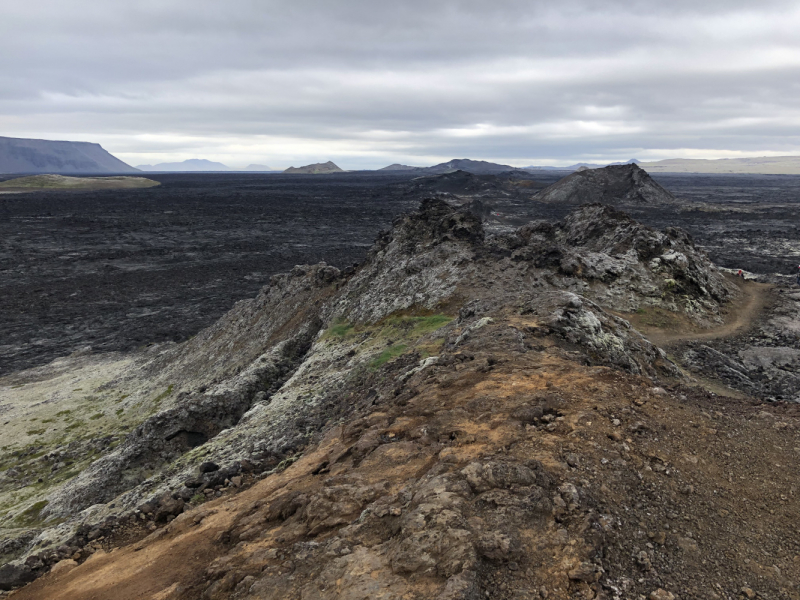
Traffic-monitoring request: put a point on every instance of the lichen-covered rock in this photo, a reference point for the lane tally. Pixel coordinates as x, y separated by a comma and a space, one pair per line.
418, 263
624, 264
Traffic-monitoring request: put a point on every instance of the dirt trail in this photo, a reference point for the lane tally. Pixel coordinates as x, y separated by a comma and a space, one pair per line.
742, 315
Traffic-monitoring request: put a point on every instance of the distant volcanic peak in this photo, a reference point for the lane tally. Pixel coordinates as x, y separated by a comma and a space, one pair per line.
477, 167
316, 169
616, 184
256, 167
19, 155
632, 161
189, 165
399, 167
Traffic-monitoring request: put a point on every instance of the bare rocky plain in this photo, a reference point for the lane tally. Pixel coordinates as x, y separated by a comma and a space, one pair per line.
453, 386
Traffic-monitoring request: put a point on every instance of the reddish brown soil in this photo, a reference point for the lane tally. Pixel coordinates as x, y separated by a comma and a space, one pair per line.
680, 490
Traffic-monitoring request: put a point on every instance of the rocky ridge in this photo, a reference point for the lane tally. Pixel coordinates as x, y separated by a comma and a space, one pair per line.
386, 383
420, 265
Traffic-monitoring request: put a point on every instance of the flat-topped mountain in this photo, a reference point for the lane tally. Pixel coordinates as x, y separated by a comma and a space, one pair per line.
191, 165
316, 169
622, 184
19, 155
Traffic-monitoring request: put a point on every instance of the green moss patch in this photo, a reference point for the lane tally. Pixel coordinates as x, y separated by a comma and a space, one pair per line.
160, 398
414, 326
31, 515
340, 329
396, 334
390, 353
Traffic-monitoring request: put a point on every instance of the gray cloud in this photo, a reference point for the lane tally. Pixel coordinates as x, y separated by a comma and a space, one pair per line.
366, 83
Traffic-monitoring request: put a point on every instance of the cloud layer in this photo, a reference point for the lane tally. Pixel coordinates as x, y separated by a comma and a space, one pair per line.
367, 83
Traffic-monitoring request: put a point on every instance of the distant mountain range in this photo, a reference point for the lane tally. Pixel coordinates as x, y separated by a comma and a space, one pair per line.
315, 169
772, 165
191, 165
197, 165
482, 167
29, 156
577, 166
19, 155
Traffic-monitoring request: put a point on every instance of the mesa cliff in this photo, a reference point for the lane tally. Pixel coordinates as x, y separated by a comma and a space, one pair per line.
18, 155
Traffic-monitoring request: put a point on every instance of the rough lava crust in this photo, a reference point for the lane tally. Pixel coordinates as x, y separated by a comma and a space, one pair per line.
461, 416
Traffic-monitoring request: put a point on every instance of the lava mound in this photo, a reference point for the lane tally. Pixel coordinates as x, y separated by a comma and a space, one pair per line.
621, 184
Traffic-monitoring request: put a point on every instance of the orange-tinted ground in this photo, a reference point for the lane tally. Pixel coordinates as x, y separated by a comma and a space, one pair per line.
676, 489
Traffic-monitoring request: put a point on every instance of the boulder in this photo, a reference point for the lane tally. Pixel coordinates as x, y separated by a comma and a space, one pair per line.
14, 575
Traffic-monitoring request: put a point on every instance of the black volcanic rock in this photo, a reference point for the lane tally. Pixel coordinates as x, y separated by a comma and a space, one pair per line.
455, 182
19, 155
14, 575
622, 184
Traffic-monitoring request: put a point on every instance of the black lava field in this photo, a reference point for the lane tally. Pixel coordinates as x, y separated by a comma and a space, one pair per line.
118, 270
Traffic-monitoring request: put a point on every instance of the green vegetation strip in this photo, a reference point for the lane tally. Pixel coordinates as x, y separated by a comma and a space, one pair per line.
398, 331
60, 182
32, 515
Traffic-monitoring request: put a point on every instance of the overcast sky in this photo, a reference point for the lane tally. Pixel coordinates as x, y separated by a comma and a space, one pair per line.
368, 83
